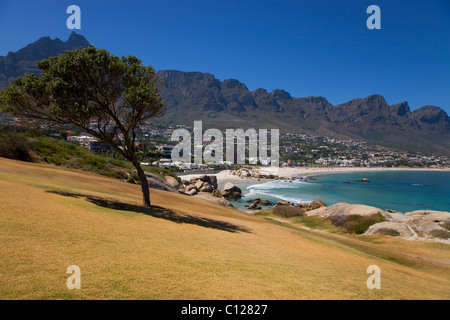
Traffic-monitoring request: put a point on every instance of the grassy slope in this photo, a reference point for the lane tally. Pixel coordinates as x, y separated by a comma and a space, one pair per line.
185, 248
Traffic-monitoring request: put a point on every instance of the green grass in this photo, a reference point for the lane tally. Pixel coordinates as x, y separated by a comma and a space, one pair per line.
31, 146
70, 155
314, 222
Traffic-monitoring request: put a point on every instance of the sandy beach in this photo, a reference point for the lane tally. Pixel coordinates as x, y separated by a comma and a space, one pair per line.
298, 172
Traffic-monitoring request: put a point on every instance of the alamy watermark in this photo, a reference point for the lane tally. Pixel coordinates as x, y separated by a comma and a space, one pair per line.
240, 146
374, 281
74, 279
74, 20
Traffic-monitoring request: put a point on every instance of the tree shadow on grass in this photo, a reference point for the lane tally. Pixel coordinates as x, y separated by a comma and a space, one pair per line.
157, 212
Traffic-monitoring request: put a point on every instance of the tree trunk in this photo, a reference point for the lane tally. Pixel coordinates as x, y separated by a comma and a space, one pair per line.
144, 183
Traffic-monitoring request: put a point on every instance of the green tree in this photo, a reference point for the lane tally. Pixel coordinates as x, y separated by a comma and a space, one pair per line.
106, 96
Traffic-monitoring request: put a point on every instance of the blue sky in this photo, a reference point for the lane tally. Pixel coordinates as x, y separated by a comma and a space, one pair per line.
316, 47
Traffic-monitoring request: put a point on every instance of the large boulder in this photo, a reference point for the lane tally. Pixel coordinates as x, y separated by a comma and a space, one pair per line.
172, 181
231, 188
436, 216
206, 187
395, 228
199, 184
157, 182
189, 188
346, 209
193, 180
230, 191
395, 216
316, 204
423, 227
185, 182
192, 192
212, 180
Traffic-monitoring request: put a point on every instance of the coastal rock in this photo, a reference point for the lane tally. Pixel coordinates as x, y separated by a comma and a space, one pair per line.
192, 192
199, 184
230, 191
172, 181
303, 205
212, 180
316, 204
217, 193
230, 187
206, 187
156, 182
436, 216
424, 227
190, 187
345, 209
194, 180
396, 216
253, 205
402, 229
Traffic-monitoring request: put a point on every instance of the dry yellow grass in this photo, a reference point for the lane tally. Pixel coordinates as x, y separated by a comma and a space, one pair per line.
185, 248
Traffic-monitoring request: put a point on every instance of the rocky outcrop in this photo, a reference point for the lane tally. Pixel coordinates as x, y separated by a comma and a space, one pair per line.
230, 191
398, 229
172, 181
157, 182
206, 187
257, 204
416, 225
345, 209
250, 173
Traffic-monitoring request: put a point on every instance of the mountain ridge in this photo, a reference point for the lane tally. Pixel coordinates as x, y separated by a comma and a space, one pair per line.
195, 95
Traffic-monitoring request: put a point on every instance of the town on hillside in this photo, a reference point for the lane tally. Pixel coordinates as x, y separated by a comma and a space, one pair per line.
154, 146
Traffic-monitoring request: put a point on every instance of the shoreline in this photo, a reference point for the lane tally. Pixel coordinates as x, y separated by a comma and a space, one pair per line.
297, 172
290, 173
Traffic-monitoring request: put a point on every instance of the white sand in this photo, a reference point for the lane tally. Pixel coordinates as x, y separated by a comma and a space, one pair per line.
222, 177
298, 172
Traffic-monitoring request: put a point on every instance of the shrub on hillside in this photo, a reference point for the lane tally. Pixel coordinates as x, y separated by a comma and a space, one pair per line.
446, 225
287, 211
441, 234
14, 146
133, 178
388, 232
355, 223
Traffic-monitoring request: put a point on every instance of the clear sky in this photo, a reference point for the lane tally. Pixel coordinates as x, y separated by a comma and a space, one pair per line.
315, 47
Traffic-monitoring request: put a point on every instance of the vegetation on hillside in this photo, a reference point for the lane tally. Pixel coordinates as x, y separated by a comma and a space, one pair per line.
31, 145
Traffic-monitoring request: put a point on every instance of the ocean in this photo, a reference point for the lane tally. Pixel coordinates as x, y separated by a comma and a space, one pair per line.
396, 190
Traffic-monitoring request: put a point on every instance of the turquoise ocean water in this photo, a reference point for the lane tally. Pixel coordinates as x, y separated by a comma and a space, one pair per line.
397, 190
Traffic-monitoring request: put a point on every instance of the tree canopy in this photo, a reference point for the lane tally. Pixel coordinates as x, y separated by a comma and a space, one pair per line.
105, 95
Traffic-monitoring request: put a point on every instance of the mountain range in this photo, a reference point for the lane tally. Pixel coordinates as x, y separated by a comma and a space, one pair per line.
190, 96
